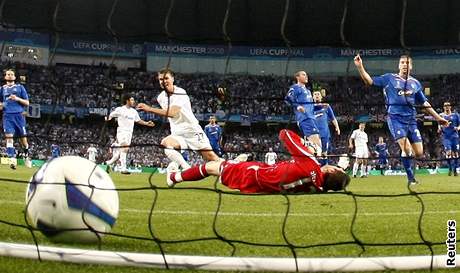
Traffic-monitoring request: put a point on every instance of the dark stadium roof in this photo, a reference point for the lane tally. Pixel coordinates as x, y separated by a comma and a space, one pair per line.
366, 23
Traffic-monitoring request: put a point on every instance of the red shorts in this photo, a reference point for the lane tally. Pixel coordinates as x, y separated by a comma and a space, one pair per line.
240, 175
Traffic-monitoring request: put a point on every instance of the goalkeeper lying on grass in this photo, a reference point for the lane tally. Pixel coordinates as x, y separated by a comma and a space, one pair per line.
300, 174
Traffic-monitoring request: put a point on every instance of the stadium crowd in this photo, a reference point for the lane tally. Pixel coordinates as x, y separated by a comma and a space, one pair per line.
100, 87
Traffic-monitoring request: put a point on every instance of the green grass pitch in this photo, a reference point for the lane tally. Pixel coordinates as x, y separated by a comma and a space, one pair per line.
187, 213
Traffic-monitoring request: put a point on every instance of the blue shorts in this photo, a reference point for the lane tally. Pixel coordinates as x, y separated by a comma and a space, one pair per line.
14, 124
308, 127
451, 144
216, 148
400, 129
383, 161
325, 144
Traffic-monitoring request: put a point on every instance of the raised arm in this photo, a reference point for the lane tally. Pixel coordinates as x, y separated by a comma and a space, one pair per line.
434, 114
331, 116
146, 123
171, 112
362, 72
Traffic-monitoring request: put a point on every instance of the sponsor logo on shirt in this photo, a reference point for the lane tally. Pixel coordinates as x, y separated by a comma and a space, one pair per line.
313, 176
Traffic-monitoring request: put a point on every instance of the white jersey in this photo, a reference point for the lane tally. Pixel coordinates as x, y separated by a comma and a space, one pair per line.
186, 121
126, 117
360, 138
270, 158
92, 153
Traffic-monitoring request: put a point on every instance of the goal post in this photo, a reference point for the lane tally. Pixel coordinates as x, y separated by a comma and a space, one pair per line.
343, 264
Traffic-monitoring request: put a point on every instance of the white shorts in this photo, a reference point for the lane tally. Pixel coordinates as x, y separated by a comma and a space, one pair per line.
124, 138
193, 141
361, 152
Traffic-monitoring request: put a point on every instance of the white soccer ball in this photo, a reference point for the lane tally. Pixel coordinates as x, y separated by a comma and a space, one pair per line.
71, 199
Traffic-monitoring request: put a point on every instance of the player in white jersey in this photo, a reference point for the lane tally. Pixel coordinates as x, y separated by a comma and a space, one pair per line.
270, 157
92, 153
186, 132
358, 140
126, 117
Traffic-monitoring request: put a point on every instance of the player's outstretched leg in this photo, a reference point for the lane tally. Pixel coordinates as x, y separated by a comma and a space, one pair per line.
194, 173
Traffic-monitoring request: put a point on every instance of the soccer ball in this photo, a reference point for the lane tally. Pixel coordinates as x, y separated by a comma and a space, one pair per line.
71, 199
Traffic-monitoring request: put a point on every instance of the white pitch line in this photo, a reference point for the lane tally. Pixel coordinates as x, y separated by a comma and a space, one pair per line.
267, 214
244, 214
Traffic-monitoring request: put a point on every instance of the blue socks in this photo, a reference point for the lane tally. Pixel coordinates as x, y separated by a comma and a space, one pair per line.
323, 161
11, 152
407, 163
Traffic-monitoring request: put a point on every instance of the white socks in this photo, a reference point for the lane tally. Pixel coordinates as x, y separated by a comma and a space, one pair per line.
355, 168
123, 155
115, 156
175, 156
363, 170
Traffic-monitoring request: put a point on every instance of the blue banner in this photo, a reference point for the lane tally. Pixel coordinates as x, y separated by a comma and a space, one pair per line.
183, 49
79, 112
284, 52
28, 39
68, 45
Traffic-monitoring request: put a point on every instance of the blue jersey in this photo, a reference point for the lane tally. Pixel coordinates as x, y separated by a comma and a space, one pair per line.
381, 149
323, 114
55, 150
299, 95
400, 95
213, 132
12, 106
449, 131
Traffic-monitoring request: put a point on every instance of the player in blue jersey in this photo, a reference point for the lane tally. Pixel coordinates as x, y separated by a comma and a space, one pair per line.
13, 101
324, 114
381, 150
450, 139
214, 133
402, 92
300, 99
55, 150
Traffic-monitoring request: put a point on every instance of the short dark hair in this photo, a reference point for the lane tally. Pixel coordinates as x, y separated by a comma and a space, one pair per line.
9, 69
297, 74
335, 181
166, 71
126, 97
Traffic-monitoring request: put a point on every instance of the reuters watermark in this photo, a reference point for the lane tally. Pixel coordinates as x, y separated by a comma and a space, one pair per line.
451, 243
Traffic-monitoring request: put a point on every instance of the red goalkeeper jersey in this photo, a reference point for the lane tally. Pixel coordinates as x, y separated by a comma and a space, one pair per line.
300, 174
